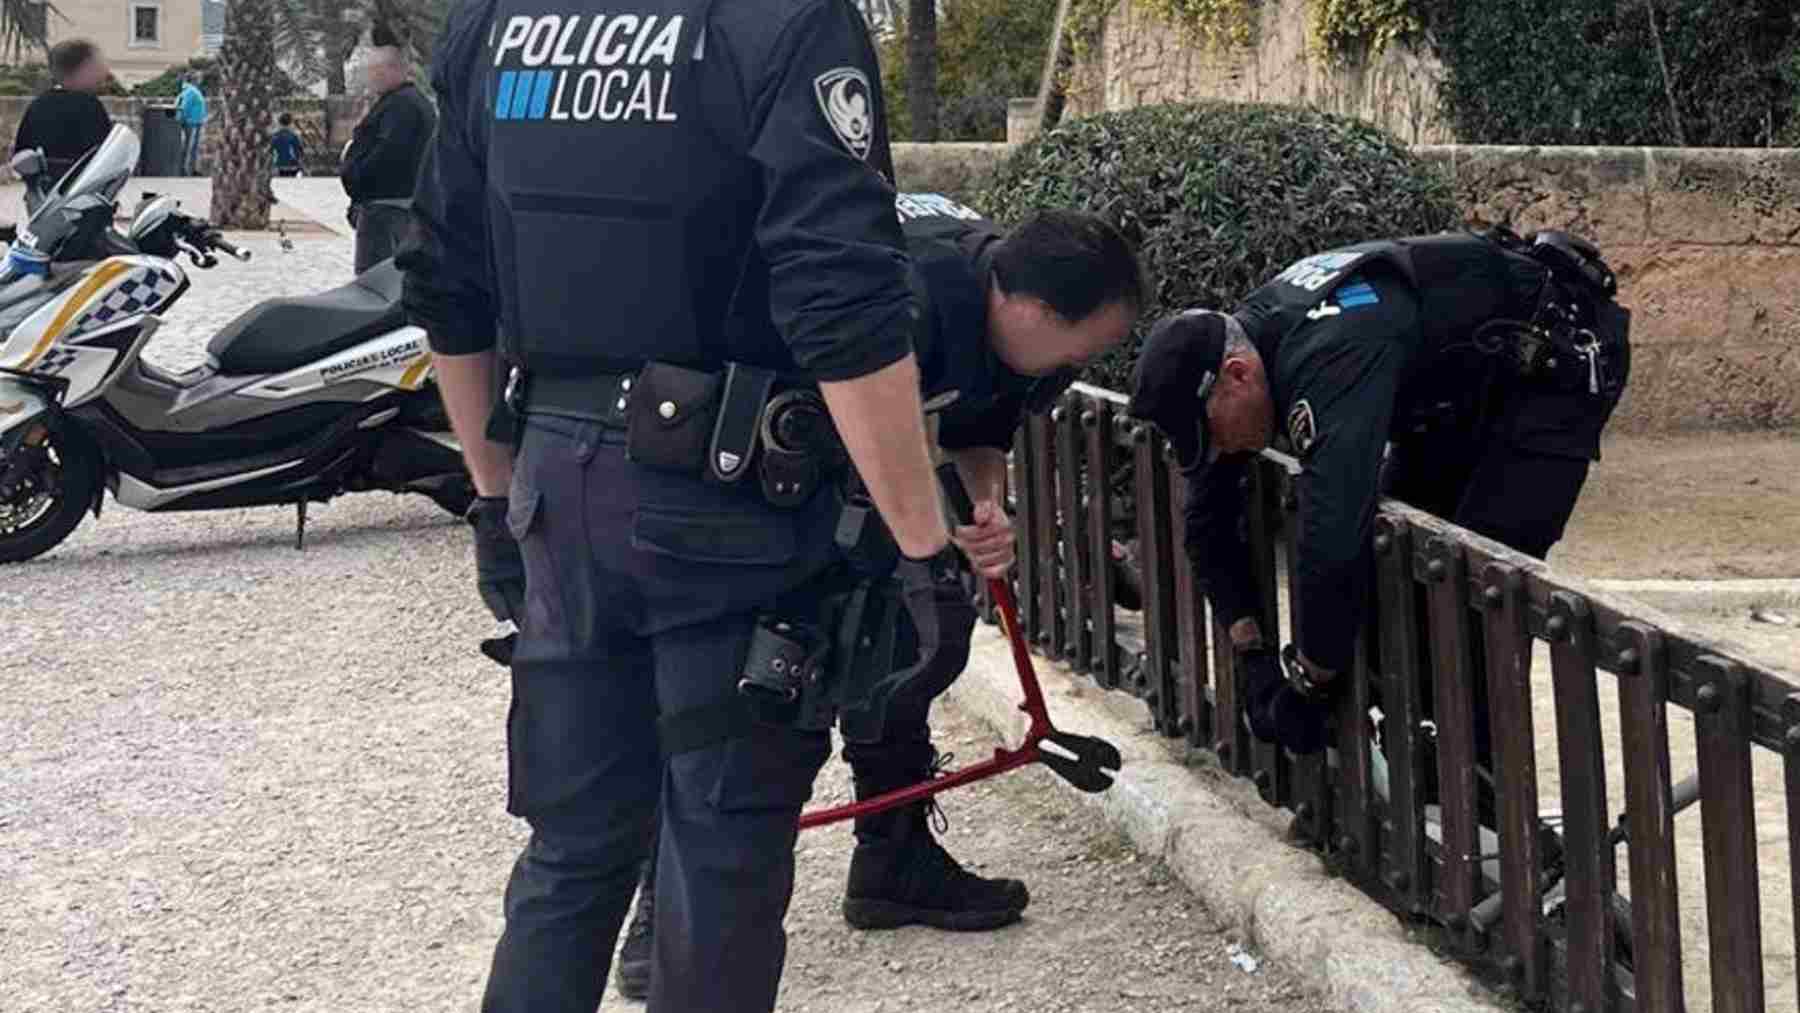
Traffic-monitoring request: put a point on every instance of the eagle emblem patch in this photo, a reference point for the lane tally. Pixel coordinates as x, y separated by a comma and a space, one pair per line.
845, 99
1302, 432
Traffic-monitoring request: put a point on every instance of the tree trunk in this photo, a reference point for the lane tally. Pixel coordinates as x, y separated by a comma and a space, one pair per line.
921, 68
241, 194
337, 78
1662, 61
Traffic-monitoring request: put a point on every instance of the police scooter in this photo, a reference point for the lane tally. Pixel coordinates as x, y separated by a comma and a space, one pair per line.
300, 400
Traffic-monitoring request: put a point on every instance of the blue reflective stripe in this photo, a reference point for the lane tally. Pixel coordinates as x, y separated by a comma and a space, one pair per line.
540, 96
1356, 294
503, 98
521, 98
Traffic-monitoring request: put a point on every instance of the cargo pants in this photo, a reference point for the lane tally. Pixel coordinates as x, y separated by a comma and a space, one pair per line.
642, 590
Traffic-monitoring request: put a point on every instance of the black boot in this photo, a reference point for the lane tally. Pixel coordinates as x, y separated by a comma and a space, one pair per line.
901, 875
633, 973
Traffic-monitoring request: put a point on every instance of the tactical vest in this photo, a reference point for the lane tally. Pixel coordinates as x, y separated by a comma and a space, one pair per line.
1462, 281
620, 197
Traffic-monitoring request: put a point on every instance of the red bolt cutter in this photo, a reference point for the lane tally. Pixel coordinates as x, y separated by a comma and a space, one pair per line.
1089, 763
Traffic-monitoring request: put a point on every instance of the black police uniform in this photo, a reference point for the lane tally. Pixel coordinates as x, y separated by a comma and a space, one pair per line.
978, 403
690, 183
1389, 341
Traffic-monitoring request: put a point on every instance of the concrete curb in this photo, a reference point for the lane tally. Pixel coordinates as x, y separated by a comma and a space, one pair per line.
1230, 849
1709, 595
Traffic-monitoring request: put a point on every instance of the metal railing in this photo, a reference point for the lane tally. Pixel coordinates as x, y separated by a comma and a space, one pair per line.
1403, 806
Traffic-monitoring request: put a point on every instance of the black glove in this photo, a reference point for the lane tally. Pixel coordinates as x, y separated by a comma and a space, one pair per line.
499, 568
499, 650
1262, 680
352, 214
943, 615
1278, 712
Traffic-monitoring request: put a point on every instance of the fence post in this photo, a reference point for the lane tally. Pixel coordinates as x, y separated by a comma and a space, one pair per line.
1453, 669
1104, 644
1728, 826
1030, 550
1509, 643
1588, 851
1310, 775
1790, 710
1402, 673
1650, 816
1271, 773
1190, 625
1154, 683
1079, 569
1049, 632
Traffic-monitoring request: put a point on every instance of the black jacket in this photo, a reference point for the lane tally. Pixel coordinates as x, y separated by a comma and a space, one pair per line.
983, 401
390, 142
65, 124
1358, 344
746, 206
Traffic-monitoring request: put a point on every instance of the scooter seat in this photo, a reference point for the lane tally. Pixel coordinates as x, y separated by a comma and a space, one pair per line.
279, 335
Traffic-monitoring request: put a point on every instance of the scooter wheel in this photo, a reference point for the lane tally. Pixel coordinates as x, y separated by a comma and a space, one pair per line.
37, 520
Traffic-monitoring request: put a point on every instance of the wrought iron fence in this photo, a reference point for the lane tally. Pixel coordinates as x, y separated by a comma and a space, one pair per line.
1413, 806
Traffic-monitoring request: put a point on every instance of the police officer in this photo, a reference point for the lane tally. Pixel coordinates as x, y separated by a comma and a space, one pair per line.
1490, 363
1006, 318
663, 214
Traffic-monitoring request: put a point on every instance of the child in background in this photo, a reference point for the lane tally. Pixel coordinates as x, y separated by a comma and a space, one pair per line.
288, 149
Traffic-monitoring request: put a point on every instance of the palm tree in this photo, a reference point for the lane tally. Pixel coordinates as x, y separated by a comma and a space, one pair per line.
921, 68
241, 196
25, 26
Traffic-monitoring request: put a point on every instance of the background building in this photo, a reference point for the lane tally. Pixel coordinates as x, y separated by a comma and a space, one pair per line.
141, 38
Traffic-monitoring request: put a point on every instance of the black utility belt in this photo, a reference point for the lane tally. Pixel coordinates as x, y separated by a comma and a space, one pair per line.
721, 427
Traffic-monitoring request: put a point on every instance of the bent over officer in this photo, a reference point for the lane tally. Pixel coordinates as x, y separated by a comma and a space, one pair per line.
667, 216
1006, 318
1491, 364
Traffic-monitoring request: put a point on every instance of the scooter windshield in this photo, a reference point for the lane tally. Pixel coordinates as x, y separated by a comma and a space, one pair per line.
104, 171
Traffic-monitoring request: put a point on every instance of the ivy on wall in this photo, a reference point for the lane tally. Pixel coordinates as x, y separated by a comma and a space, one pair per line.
1348, 28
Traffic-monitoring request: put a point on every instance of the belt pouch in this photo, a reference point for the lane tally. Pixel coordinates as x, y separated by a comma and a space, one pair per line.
670, 418
734, 437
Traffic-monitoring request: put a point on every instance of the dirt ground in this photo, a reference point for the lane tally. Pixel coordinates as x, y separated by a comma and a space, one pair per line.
1711, 505
241, 778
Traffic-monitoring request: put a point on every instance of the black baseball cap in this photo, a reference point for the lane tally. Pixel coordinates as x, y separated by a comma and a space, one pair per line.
1176, 371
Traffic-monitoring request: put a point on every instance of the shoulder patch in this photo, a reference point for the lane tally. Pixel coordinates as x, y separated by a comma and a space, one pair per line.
1302, 431
915, 206
845, 99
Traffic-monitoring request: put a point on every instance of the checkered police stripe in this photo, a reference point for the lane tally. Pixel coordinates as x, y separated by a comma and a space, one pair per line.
55, 361
143, 290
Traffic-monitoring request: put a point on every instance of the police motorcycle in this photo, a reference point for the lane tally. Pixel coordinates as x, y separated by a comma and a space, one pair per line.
300, 400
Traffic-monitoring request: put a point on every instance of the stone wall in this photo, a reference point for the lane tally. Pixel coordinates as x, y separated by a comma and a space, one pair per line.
1706, 244
1141, 60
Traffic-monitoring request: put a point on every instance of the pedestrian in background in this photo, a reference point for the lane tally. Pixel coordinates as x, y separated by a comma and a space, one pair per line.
382, 163
290, 152
190, 112
68, 121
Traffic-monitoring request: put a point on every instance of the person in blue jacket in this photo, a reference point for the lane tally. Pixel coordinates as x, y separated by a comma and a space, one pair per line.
190, 113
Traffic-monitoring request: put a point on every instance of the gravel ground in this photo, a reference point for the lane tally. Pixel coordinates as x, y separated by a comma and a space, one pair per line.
241, 777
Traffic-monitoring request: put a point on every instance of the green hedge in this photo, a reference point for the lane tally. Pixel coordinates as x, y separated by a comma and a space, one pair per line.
1220, 197
1587, 71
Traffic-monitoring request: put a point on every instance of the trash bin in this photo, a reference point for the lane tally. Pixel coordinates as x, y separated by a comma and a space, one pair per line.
162, 148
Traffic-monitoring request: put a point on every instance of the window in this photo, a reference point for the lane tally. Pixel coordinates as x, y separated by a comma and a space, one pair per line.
146, 24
